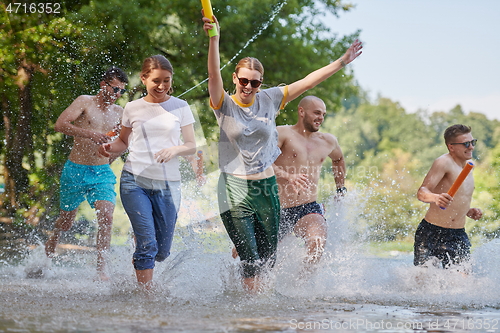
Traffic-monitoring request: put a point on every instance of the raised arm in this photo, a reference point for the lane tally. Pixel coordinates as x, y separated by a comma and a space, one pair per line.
313, 79
64, 123
215, 84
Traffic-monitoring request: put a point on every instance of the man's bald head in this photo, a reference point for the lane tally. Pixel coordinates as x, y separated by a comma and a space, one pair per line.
308, 101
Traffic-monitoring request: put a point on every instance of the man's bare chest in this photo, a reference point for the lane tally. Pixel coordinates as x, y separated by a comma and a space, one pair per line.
98, 119
307, 152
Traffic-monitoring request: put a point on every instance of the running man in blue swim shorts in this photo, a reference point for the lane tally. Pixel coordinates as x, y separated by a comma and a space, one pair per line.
86, 174
303, 151
441, 234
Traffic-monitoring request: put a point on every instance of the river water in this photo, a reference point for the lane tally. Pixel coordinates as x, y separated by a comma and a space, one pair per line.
197, 290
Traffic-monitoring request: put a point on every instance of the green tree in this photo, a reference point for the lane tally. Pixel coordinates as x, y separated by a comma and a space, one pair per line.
393, 211
50, 59
388, 152
487, 195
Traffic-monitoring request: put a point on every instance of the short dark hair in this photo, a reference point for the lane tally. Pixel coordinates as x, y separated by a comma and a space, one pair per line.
115, 73
454, 131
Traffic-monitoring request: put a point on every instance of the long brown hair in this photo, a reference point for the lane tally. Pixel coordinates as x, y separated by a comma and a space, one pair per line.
157, 62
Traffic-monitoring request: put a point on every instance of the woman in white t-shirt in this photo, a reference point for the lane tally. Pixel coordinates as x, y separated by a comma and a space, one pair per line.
150, 181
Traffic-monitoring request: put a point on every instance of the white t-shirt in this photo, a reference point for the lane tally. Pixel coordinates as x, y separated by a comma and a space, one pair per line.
155, 126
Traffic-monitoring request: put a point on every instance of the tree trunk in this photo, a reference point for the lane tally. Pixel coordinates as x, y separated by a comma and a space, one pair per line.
19, 143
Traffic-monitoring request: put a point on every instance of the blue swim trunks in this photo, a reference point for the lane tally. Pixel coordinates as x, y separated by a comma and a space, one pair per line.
81, 182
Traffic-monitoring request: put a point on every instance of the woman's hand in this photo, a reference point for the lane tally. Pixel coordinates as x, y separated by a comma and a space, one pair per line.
352, 52
166, 154
210, 23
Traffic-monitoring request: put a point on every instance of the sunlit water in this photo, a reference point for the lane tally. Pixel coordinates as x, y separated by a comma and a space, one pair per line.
198, 290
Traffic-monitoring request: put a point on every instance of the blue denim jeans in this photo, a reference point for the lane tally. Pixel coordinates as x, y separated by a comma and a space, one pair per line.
152, 208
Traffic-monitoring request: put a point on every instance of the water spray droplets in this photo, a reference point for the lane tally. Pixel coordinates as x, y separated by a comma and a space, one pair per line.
250, 41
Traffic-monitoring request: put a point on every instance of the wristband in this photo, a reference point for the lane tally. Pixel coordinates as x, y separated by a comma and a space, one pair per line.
342, 190
342, 62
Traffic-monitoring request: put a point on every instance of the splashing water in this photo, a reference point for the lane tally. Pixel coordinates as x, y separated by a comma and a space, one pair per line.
198, 288
250, 41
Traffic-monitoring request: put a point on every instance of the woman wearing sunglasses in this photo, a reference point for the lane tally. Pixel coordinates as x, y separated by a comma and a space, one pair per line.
247, 191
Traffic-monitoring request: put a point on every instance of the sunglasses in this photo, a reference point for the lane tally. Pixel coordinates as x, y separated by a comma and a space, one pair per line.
244, 82
466, 144
116, 89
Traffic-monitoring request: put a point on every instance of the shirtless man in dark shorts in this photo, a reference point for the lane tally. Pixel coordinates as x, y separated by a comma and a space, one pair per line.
303, 151
87, 175
441, 234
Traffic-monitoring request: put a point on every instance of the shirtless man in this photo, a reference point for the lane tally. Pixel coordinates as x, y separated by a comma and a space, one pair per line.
303, 151
441, 233
86, 174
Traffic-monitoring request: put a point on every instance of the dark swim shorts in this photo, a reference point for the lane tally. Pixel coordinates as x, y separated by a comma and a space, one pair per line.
449, 246
291, 215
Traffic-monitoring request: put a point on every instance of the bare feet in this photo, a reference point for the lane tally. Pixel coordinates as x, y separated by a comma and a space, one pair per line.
253, 285
145, 278
149, 286
101, 265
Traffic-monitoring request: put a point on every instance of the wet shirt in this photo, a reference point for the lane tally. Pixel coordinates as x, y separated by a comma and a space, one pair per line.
155, 126
248, 142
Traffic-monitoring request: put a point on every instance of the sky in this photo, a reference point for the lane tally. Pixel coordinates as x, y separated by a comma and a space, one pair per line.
428, 54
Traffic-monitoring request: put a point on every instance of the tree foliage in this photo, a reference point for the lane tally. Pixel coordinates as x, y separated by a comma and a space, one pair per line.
389, 151
47, 60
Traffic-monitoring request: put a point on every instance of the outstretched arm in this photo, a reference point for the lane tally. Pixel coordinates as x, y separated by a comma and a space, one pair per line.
215, 84
313, 79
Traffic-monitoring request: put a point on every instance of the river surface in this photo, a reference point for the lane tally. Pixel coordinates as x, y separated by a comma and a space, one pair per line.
197, 289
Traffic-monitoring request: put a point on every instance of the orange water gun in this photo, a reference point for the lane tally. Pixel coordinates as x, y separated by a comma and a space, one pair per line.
115, 131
